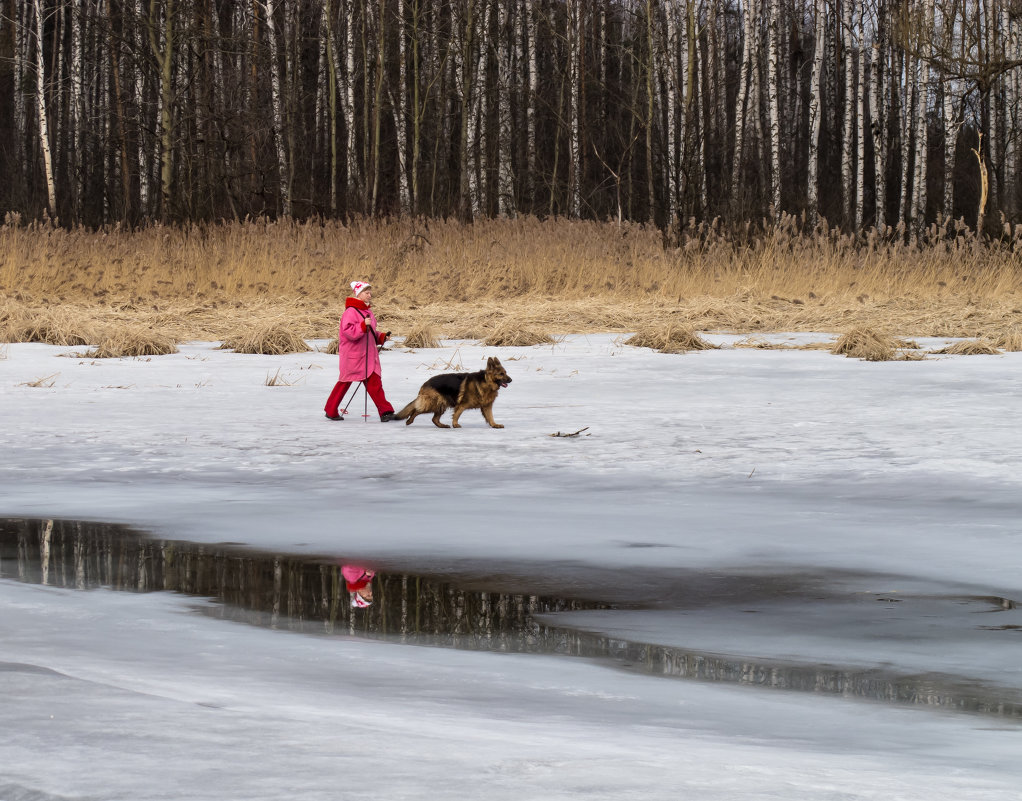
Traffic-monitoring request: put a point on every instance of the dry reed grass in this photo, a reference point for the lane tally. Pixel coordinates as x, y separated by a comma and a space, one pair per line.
129, 341
273, 338
511, 334
57, 326
869, 345
207, 282
1010, 340
969, 347
670, 339
421, 336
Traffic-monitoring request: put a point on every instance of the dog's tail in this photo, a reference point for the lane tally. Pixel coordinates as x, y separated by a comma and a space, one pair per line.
403, 414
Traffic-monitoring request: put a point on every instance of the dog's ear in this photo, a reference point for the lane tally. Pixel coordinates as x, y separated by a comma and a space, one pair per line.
491, 362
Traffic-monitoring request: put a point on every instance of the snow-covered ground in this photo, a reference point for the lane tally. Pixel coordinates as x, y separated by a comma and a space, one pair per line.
892, 489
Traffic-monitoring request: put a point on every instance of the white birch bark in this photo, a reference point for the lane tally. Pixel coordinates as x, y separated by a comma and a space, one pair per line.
815, 115
400, 106
77, 133
574, 112
922, 137
693, 114
905, 128
278, 109
674, 89
532, 145
467, 64
350, 142
992, 136
860, 182
329, 59
505, 132
773, 24
44, 134
951, 125
744, 100
848, 134
878, 109
475, 98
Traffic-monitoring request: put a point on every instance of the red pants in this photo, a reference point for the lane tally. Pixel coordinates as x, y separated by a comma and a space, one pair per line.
374, 386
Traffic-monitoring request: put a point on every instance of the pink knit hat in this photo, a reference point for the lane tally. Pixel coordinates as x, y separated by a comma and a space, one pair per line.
358, 286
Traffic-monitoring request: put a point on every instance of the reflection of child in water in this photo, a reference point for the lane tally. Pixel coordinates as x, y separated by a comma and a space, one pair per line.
359, 582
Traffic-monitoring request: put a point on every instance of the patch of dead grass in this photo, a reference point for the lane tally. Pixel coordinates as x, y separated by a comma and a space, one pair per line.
870, 345
512, 334
669, 339
969, 347
273, 338
58, 326
421, 336
131, 341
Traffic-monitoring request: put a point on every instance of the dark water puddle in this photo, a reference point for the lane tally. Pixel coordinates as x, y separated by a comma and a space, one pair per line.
323, 596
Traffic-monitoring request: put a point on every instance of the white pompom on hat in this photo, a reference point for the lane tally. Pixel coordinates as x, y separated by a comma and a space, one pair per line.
358, 286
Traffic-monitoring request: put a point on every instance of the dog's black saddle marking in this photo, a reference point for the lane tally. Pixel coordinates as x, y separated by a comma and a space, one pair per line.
449, 385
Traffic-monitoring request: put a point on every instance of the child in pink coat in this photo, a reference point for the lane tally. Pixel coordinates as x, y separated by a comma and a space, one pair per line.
359, 582
357, 340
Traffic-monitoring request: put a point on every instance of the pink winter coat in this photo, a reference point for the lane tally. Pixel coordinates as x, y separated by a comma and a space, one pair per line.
355, 577
355, 342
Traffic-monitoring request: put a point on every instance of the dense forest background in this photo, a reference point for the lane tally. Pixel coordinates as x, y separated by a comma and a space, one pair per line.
868, 114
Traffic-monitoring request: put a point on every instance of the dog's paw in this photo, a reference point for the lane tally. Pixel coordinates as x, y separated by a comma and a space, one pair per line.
496, 425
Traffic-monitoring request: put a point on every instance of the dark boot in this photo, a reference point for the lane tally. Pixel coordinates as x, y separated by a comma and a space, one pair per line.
334, 417
386, 417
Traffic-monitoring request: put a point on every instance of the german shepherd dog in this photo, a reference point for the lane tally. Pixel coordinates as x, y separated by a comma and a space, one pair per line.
460, 390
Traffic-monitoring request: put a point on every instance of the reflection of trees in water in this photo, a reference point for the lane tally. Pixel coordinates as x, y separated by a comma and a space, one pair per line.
284, 592
310, 596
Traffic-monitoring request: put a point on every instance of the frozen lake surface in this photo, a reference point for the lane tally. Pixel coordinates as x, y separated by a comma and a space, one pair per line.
756, 574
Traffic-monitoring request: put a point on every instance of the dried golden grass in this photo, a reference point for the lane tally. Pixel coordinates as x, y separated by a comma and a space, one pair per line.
272, 338
59, 326
1010, 340
131, 341
969, 347
869, 345
672, 339
331, 347
208, 282
421, 336
512, 334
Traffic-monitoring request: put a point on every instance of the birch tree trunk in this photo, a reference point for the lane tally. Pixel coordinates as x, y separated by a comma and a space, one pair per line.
743, 103
648, 68
773, 23
574, 111
673, 91
848, 135
165, 61
278, 109
860, 183
400, 106
879, 127
532, 143
44, 132
505, 132
331, 89
467, 63
922, 136
815, 115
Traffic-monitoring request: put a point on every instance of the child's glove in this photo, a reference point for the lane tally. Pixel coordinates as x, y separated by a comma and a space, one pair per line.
383, 337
